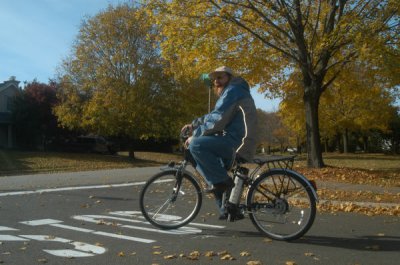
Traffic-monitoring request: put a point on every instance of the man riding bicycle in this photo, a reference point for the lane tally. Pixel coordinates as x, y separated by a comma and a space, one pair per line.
229, 130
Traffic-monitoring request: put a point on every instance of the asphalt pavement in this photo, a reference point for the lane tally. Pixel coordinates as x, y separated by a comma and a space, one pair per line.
126, 175
93, 218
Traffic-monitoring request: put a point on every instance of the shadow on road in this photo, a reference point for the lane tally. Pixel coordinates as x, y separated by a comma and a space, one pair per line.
367, 243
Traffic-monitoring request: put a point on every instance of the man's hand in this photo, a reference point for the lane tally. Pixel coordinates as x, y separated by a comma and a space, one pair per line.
187, 129
187, 142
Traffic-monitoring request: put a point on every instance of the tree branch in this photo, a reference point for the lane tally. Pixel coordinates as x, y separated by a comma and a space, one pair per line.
255, 34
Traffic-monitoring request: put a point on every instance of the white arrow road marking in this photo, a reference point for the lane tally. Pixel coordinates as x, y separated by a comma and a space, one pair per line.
41, 222
11, 238
56, 223
137, 214
6, 228
100, 219
82, 249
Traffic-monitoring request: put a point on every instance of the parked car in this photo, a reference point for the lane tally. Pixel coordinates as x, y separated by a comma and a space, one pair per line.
85, 144
292, 150
96, 144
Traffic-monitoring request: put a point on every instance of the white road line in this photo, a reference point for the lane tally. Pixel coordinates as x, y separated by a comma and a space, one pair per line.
207, 225
11, 238
56, 223
15, 193
138, 239
41, 222
138, 215
74, 228
179, 231
102, 219
6, 228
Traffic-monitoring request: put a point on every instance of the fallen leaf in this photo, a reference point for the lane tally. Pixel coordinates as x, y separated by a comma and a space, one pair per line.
194, 255
156, 247
121, 254
244, 254
254, 262
290, 262
157, 252
227, 257
309, 254
170, 257
222, 253
42, 260
267, 240
210, 254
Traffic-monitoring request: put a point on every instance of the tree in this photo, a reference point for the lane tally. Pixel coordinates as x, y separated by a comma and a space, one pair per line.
32, 114
267, 41
113, 83
357, 102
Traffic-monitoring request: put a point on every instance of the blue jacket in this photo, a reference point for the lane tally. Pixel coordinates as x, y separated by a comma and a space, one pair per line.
234, 116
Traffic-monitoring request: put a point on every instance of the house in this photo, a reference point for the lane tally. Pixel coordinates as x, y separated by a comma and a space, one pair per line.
8, 91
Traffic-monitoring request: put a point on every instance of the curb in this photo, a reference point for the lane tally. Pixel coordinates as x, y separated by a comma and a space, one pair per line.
361, 204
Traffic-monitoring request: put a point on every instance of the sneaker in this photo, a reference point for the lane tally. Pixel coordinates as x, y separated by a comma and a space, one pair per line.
220, 187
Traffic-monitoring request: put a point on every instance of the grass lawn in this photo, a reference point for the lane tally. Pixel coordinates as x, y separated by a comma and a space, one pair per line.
356, 168
18, 163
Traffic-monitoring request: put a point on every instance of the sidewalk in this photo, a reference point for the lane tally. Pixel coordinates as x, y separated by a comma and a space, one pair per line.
117, 176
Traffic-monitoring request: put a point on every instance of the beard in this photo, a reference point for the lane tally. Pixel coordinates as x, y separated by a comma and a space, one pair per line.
218, 90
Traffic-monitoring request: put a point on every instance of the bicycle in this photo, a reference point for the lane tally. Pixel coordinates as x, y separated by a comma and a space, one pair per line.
280, 202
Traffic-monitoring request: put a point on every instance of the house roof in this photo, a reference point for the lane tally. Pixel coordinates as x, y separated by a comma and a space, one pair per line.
7, 84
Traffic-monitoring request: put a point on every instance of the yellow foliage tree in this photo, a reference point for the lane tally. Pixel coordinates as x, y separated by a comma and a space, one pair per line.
357, 102
266, 41
114, 84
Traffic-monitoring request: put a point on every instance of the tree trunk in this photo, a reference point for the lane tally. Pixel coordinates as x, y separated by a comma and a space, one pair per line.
298, 145
326, 145
314, 154
365, 140
345, 142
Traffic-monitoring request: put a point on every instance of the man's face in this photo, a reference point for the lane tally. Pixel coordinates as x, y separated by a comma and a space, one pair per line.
221, 79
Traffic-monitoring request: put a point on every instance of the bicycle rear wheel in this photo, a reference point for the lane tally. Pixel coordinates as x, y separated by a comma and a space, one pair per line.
282, 205
168, 201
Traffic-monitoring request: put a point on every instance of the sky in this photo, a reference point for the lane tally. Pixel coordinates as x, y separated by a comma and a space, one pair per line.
36, 35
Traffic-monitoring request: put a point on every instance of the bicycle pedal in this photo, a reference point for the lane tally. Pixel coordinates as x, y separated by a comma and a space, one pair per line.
235, 217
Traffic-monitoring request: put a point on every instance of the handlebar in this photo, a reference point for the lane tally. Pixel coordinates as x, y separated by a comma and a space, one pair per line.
185, 134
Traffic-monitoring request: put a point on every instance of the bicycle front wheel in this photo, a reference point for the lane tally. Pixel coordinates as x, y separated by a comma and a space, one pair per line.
170, 201
282, 205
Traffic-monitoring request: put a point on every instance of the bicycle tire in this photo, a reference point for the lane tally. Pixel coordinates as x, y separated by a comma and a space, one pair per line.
281, 204
167, 207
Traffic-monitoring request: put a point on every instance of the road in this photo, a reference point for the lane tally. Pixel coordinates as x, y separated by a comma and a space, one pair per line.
94, 222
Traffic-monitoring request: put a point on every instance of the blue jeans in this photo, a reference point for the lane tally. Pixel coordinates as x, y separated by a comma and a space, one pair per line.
213, 154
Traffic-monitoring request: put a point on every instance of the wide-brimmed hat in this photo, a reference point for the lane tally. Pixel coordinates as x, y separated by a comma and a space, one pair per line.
222, 69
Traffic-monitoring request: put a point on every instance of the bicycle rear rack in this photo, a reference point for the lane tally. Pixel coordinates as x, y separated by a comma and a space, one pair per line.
271, 162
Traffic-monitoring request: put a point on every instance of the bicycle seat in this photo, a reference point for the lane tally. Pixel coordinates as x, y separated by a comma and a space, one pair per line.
240, 160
